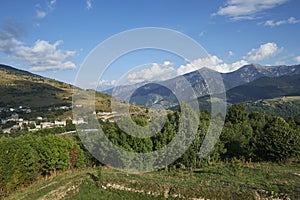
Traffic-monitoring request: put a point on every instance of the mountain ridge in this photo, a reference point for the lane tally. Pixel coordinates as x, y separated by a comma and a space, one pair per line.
251, 72
243, 75
265, 88
23, 88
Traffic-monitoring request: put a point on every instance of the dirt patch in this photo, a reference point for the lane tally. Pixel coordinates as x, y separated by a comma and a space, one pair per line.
62, 192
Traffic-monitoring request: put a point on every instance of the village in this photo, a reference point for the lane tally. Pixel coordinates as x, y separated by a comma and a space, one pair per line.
13, 119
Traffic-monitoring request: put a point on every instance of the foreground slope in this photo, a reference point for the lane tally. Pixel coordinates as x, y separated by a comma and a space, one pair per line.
224, 181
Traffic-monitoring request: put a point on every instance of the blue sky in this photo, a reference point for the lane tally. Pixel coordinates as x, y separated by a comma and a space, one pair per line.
53, 37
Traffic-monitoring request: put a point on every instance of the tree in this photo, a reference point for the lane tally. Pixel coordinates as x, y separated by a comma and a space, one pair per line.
278, 142
237, 139
25, 164
70, 126
53, 150
237, 114
32, 126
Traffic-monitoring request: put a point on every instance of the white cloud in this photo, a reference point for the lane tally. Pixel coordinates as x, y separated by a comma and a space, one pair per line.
201, 34
246, 9
89, 4
43, 11
291, 20
7, 45
211, 62
52, 3
40, 14
297, 59
236, 65
154, 72
263, 52
103, 84
107, 82
230, 53
44, 56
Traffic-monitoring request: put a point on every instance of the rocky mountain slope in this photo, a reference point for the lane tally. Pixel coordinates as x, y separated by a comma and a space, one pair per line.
163, 92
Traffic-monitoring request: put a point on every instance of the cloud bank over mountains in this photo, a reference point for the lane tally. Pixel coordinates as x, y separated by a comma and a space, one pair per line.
168, 70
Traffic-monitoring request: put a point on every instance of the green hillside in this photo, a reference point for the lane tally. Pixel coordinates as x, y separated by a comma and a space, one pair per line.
21, 88
281, 106
265, 88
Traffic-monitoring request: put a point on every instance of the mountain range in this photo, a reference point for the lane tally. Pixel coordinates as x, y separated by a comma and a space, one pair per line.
250, 82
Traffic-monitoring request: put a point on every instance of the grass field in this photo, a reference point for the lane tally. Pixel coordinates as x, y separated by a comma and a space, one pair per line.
222, 181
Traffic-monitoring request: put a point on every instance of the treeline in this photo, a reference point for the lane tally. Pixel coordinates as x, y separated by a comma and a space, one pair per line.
248, 137
25, 159
260, 137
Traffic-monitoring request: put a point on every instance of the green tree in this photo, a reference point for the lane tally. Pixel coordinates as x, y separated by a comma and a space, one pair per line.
278, 142
237, 114
70, 126
237, 139
54, 154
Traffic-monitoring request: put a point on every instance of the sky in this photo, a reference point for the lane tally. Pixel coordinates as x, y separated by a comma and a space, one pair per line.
53, 38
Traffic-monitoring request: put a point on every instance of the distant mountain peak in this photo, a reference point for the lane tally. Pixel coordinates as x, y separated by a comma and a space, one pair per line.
207, 69
253, 66
258, 66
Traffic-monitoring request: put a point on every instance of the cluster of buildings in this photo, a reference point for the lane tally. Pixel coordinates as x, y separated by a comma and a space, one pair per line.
37, 125
15, 122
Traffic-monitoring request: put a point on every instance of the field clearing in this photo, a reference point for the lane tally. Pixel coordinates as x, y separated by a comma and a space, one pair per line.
222, 181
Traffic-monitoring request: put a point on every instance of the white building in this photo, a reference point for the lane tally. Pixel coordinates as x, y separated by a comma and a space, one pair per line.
60, 123
39, 118
78, 121
47, 125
